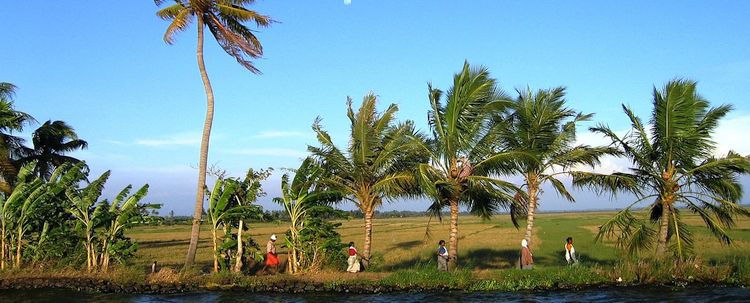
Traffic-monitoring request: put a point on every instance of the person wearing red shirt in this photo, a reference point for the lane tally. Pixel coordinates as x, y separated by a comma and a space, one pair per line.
352, 261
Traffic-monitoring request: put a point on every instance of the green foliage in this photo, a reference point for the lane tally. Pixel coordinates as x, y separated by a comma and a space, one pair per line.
51, 141
379, 163
319, 239
541, 278
46, 219
541, 126
311, 239
430, 278
464, 163
230, 207
21, 210
673, 167
11, 120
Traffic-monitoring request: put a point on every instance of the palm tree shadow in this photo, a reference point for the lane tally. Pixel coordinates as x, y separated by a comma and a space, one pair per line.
582, 257
409, 244
486, 258
475, 259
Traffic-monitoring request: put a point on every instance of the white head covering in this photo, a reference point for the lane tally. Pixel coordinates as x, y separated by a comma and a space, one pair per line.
524, 243
273, 237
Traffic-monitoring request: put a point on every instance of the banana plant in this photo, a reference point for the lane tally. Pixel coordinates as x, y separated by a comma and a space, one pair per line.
219, 207
29, 194
248, 192
298, 196
8, 212
82, 208
123, 213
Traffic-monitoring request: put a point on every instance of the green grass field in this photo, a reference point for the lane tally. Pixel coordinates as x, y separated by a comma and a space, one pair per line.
483, 245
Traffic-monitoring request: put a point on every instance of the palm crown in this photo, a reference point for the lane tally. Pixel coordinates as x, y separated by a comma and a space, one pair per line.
51, 142
378, 163
11, 146
224, 18
464, 161
672, 166
541, 125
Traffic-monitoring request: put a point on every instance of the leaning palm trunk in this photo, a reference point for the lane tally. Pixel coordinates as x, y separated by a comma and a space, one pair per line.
369, 213
195, 231
661, 244
533, 192
453, 239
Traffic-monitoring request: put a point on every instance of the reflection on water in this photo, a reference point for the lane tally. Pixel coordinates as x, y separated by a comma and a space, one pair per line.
622, 294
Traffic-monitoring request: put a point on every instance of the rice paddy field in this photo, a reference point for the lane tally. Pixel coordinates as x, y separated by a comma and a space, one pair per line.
401, 243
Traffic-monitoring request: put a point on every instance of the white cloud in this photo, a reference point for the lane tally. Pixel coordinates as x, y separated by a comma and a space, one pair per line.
609, 164
731, 134
114, 142
347, 2
270, 152
279, 134
179, 139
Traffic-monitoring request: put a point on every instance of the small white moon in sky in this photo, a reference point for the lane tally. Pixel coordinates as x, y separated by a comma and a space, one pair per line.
347, 2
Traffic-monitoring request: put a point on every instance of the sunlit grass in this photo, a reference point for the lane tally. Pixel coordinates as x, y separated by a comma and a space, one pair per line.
400, 243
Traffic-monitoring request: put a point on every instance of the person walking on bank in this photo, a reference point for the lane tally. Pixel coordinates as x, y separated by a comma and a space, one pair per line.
272, 259
442, 256
527, 259
570, 252
352, 261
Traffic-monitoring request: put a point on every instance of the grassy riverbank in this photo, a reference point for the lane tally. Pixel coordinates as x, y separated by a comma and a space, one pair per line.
125, 280
400, 243
403, 261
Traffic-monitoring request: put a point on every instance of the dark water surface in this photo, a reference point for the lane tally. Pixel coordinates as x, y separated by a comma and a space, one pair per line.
616, 294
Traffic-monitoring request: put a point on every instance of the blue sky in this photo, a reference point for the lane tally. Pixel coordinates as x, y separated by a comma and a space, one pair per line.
104, 68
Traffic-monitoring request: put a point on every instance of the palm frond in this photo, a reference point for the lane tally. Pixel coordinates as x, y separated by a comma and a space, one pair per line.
614, 183
560, 188
632, 235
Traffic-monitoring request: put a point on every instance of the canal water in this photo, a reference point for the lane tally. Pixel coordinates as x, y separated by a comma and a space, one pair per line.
612, 294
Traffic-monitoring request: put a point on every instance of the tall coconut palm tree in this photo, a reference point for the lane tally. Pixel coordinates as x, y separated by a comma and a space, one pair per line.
672, 167
540, 124
464, 163
10, 146
225, 20
378, 164
51, 141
